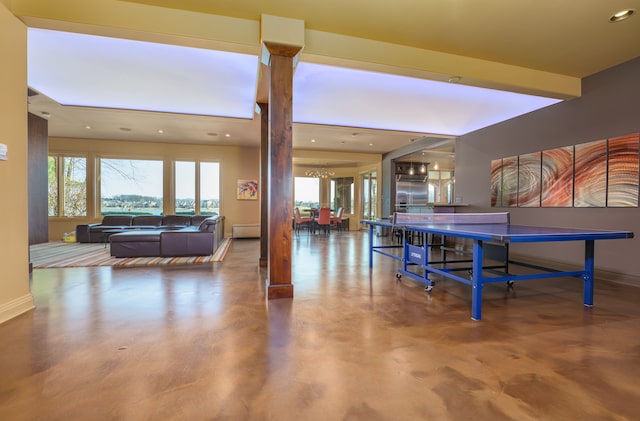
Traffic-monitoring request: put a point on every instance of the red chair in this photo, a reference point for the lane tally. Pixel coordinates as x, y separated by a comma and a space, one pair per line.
336, 221
324, 219
301, 221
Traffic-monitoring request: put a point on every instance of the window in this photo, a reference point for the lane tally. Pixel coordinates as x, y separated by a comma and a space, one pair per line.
369, 195
129, 186
306, 192
53, 186
342, 194
67, 186
185, 188
209, 188
208, 181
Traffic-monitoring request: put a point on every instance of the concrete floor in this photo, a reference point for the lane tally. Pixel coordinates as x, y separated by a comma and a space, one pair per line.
202, 343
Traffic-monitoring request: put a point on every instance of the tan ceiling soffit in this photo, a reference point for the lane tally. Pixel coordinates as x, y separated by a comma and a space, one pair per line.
177, 27
143, 23
364, 54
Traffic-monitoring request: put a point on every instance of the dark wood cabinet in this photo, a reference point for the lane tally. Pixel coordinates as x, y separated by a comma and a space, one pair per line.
38, 145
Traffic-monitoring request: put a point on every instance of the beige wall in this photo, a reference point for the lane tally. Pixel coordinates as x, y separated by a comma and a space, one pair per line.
15, 297
608, 108
235, 163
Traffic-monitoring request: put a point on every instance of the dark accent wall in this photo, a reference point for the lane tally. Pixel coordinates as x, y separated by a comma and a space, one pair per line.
608, 107
38, 176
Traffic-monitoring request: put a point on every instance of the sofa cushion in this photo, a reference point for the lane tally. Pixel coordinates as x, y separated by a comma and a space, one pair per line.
197, 219
149, 220
117, 220
179, 220
208, 225
138, 236
186, 243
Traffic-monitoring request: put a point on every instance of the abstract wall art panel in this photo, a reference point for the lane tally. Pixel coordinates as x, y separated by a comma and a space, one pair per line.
529, 174
594, 174
590, 174
496, 183
622, 181
247, 190
557, 177
510, 181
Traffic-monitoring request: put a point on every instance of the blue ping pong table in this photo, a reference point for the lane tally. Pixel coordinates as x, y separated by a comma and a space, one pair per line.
483, 234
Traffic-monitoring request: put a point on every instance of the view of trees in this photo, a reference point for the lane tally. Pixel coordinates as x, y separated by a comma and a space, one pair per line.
132, 203
53, 186
128, 186
71, 181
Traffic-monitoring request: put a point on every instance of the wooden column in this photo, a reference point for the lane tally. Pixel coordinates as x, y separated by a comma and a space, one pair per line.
280, 168
264, 184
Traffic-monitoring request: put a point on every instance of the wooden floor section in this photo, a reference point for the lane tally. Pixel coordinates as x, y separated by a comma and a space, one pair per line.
201, 342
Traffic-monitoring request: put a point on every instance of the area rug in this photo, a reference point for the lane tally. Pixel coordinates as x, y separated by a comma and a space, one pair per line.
68, 255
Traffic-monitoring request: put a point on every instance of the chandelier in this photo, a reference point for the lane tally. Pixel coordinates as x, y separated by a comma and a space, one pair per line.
319, 172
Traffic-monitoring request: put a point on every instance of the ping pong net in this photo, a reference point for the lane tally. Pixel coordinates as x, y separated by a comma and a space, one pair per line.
450, 218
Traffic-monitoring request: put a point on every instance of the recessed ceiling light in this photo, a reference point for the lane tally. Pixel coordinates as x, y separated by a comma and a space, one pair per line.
370, 144
227, 135
46, 114
160, 131
354, 134
87, 127
454, 79
621, 15
313, 141
212, 134
125, 129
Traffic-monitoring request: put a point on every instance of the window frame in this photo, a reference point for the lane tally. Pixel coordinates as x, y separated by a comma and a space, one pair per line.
59, 158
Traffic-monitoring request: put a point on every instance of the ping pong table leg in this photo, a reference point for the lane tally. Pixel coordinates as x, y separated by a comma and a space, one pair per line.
476, 282
589, 265
370, 246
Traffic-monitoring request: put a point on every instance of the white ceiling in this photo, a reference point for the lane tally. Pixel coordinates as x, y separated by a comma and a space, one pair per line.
341, 109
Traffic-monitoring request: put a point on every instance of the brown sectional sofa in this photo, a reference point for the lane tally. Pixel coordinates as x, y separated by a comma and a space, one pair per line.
176, 235
111, 224
200, 240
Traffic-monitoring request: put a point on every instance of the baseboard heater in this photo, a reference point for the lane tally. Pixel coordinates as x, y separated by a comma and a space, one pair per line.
245, 231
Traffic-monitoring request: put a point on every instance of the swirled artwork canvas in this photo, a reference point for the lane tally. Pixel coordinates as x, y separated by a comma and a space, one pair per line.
510, 181
590, 176
496, 183
622, 180
529, 180
557, 177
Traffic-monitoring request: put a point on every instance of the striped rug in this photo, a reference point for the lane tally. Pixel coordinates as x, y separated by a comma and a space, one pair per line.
69, 255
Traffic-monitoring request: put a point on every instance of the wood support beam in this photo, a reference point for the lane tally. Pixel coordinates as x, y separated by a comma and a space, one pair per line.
264, 184
281, 63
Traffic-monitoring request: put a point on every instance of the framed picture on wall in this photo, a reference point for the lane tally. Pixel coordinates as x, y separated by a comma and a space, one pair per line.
247, 190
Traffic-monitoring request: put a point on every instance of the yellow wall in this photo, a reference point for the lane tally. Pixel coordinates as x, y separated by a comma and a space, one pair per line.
15, 297
235, 163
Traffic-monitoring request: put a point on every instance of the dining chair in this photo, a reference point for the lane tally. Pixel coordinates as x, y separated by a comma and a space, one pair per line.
336, 221
304, 222
324, 219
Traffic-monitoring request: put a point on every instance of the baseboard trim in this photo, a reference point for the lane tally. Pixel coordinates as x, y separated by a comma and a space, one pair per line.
245, 231
600, 274
16, 307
